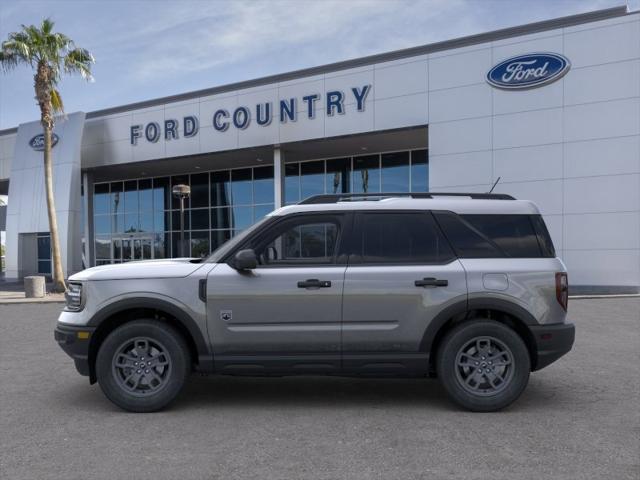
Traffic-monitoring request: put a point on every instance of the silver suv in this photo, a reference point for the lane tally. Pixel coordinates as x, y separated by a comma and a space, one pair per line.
465, 287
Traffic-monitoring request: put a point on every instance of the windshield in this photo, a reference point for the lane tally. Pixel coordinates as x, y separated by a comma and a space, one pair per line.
230, 244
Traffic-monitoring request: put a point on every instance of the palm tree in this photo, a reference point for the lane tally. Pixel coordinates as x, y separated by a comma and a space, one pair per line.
50, 55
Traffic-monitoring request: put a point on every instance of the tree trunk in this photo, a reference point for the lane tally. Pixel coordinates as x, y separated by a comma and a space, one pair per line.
43, 95
58, 276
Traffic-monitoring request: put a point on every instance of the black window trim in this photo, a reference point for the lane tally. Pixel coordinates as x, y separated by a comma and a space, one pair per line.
355, 259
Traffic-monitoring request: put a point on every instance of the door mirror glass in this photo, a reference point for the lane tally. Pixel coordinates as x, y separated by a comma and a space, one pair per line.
245, 260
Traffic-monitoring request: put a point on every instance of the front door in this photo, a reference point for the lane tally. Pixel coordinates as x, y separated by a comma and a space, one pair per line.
286, 313
128, 249
401, 274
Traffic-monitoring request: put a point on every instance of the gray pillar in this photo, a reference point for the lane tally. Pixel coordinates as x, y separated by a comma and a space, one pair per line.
87, 185
278, 176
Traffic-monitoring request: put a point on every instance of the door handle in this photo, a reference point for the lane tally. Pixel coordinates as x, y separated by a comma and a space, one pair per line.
431, 282
314, 283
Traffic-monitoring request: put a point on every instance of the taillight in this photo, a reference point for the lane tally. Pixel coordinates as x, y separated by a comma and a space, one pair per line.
562, 289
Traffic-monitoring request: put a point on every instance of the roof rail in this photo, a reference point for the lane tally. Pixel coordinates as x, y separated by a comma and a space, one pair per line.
340, 197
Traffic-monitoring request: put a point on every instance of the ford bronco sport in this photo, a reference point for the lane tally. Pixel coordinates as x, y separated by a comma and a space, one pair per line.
465, 287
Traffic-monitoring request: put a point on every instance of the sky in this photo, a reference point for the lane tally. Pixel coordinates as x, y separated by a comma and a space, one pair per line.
146, 49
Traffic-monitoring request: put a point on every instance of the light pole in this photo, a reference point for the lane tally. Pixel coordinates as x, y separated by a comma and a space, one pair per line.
182, 192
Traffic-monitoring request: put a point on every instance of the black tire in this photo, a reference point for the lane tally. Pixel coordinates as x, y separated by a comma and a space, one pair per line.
134, 390
466, 350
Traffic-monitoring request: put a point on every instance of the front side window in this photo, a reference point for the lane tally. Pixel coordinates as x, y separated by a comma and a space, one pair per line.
303, 241
400, 238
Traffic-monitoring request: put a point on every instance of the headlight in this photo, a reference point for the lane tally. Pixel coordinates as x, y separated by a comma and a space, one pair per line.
73, 296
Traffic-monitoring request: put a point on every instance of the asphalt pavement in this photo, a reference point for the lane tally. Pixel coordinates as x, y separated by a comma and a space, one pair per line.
578, 419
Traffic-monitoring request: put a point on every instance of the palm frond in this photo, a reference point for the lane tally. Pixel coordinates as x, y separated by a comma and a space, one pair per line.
56, 101
79, 60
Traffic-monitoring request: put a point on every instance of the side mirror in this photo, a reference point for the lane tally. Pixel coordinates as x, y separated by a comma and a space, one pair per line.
245, 260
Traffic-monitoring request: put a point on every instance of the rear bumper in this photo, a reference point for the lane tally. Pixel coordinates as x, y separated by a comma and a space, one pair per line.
552, 342
74, 340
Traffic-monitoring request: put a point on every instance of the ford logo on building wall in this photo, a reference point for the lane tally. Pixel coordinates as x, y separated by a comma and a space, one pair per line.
528, 71
37, 142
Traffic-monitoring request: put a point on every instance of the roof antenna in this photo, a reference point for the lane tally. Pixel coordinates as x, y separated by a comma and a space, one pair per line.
494, 185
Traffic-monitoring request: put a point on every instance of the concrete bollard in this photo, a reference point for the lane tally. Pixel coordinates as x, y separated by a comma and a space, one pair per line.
34, 287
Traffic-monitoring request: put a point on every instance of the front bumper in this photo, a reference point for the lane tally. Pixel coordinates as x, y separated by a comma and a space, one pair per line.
552, 342
74, 340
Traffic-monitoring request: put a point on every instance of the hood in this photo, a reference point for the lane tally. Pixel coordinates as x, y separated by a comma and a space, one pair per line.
166, 268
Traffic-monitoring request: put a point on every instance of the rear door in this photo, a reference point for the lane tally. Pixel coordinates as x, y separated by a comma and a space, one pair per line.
401, 274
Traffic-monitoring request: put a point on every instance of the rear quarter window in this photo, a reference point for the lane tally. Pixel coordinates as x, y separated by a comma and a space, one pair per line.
496, 236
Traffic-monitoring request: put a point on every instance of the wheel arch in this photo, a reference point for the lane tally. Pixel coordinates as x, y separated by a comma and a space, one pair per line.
503, 311
120, 312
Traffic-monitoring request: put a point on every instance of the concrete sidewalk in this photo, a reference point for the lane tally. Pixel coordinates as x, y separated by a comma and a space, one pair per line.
13, 292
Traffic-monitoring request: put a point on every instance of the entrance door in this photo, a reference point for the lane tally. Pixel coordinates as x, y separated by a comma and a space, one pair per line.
129, 249
286, 313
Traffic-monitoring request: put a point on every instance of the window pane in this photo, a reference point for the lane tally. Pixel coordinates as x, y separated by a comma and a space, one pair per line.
160, 221
117, 248
200, 219
292, 183
513, 234
220, 218
44, 247
175, 220
103, 247
395, 172
131, 223
199, 244
179, 180
366, 174
242, 217
419, 171
261, 211
200, 190
468, 242
307, 243
101, 198
161, 194
175, 245
338, 173
402, 238
220, 189
117, 223
160, 245
117, 198
145, 195
131, 196
241, 191
311, 179
146, 221
263, 185
546, 245
218, 237
102, 224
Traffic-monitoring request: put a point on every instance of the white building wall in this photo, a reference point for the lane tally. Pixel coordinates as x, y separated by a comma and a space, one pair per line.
7, 146
572, 146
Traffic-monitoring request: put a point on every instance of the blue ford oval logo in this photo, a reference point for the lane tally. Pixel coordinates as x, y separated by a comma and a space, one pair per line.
37, 142
528, 71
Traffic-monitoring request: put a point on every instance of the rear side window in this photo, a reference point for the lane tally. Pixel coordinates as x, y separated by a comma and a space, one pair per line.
495, 236
400, 238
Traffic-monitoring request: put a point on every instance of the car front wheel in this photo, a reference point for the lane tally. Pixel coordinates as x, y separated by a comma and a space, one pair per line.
142, 365
483, 365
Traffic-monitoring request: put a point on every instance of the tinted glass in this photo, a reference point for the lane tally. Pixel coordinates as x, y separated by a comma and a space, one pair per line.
175, 220
161, 194
199, 244
395, 172
145, 195
304, 242
218, 237
467, 241
260, 211
44, 266
337, 178
544, 239
179, 180
311, 179
101, 198
513, 234
146, 221
220, 218
200, 190
366, 174
44, 247
200, 219
241, 188
419, 171
242, 217
131, 196
292, 183
117, 198
401, 238
220, 189
263, 185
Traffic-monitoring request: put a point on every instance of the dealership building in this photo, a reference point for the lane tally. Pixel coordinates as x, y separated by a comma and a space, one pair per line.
551, 109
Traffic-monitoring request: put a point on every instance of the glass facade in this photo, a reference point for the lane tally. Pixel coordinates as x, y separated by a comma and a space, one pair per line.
140, 219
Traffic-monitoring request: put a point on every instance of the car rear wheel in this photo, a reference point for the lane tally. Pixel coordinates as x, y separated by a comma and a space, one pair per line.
143, 365
483, 365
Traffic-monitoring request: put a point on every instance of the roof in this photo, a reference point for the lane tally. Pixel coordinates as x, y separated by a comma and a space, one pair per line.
371, 59
457, 204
